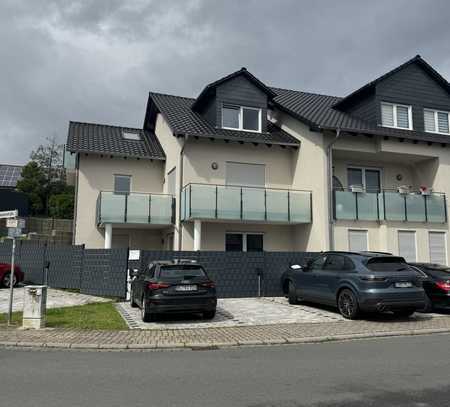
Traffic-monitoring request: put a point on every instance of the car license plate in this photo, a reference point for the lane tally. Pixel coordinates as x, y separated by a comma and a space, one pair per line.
186, 287
403, 284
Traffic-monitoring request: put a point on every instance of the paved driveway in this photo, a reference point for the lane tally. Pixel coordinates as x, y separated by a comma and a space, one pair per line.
55, 299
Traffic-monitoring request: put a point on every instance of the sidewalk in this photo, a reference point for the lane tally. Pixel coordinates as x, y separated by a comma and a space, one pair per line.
222, 336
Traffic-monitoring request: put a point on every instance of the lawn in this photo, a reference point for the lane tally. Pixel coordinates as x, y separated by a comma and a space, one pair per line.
91, 316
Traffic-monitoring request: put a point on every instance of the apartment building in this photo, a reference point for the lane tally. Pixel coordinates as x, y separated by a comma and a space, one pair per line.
249, 167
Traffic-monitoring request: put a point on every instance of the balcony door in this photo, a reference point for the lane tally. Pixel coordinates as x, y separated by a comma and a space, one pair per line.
367, 178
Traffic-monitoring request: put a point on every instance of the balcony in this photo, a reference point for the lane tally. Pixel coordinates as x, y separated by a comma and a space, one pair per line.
242, 203
135, 208
390, 205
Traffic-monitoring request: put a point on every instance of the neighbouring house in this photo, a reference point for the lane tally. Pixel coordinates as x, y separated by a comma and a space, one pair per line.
249, 167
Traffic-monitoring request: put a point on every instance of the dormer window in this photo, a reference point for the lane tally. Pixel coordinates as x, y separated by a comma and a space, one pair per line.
436, 121
397, 116
241, 118
131, 135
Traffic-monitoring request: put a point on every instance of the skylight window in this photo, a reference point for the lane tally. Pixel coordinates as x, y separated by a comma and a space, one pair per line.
129, 135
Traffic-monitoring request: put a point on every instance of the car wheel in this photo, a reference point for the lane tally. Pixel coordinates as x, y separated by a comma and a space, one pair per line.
146, 315
209, 314
348, 304
404, 313
7, 279
292, 295
132, 302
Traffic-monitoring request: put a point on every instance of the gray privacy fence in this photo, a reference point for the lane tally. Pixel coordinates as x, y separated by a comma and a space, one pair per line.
103, 272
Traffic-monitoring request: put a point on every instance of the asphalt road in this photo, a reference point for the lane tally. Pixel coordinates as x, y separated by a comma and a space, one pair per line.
407, 371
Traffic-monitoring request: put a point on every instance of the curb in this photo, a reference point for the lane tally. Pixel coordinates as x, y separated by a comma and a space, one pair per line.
218, 345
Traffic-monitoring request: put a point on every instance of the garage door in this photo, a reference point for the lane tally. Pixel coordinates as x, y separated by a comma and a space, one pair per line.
407, 245
437, 244
357, 241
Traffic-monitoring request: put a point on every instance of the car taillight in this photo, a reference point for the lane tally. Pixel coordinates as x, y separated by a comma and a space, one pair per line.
209, 284
157, 286
372, 279
443, 285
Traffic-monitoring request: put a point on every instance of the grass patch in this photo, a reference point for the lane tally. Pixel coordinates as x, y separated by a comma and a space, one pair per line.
90, 316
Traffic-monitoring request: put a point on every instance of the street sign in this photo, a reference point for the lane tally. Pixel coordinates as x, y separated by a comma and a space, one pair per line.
14, 232
15, 223
9, 214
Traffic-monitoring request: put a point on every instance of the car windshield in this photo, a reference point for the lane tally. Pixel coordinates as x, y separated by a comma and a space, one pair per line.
390, 263
185, 271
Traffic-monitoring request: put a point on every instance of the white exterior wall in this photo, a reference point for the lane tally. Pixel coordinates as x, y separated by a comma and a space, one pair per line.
96, 174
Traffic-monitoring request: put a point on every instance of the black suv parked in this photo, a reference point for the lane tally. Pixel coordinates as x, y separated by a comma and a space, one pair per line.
173, 286
355, 282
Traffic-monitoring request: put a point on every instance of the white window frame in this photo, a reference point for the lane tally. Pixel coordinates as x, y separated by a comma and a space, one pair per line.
241, 117
364, 169
436, 126
358, 230
399, 231
394, 111
244, 237
445, 244
122, 175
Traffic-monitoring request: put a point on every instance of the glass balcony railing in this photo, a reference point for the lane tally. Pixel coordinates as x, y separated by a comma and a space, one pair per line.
135, 208
390, 206
227, 202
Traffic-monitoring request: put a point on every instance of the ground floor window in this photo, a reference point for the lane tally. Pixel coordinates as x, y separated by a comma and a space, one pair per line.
407, 245
437, 245
358, 241
244, 242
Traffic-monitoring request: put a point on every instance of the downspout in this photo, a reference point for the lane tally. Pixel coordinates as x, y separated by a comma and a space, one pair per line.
180, 191
330, 189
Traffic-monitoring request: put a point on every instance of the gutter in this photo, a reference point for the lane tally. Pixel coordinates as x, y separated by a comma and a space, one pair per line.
180, 192
330, 189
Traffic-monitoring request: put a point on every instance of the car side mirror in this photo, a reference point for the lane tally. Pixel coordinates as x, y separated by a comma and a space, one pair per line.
296, 267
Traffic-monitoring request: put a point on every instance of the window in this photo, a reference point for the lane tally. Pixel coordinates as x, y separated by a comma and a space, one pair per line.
393, 115
244, 242
241, 118
318, 263
122, 184
334, 262
436, 121
131, 135
253, 175
367, 178
358, 241
407, 245
437, 244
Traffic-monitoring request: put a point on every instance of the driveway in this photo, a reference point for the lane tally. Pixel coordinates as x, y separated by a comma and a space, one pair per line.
242, 312
55, 299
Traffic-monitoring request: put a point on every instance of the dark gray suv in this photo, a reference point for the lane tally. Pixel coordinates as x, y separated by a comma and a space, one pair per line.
355, 282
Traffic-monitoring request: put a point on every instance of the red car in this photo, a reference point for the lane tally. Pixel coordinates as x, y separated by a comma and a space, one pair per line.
5, 274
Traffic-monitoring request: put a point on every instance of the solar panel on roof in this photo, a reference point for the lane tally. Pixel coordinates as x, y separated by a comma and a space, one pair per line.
9, 175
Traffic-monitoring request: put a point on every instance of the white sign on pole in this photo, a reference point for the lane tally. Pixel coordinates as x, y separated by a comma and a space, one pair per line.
134, 254
15, 223
9, 214
14, 232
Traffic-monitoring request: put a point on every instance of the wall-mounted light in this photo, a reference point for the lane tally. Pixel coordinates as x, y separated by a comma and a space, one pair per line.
214, 166
399, 177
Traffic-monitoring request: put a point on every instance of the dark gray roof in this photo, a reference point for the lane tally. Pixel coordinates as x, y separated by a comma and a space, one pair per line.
105, 139
184, 121
9, 175
318, 111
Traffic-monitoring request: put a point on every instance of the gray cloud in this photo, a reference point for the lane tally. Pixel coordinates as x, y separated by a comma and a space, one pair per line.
96, 60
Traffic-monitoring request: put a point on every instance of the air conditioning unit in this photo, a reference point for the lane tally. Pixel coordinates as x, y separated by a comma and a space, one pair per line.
356, 188
403, 189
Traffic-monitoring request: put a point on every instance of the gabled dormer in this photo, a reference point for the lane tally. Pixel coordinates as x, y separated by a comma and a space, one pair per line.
238, 101
412, 96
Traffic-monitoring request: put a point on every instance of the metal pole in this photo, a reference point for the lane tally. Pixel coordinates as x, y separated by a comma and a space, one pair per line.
11, 283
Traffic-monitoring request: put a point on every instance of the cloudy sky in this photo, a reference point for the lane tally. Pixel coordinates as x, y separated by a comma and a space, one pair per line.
96, 60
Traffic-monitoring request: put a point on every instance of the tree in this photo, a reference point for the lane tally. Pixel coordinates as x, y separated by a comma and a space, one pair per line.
32, 184
44, 181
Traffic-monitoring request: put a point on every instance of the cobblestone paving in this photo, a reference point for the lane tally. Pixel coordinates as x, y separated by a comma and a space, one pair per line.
236, 312
55, 299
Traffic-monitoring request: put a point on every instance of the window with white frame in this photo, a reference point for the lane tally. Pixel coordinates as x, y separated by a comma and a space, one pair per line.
395, 115
244, 242
436, 121
437, 242
358, 240
367, 178
407, 245
241, 118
